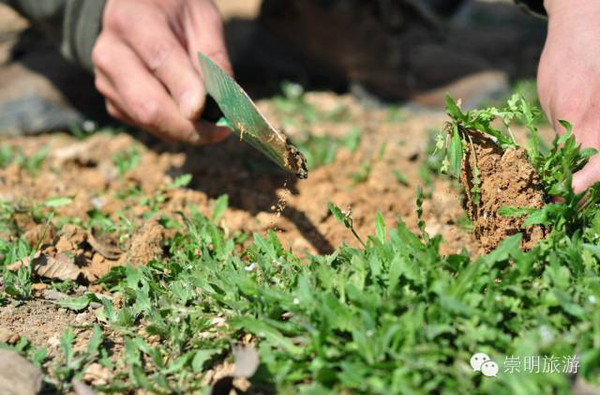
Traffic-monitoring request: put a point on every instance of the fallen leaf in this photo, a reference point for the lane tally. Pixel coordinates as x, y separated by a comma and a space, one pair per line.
40, 234
61, 267
103, 246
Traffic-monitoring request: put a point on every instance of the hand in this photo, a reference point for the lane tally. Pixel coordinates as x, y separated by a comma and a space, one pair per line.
569, 76
146, 65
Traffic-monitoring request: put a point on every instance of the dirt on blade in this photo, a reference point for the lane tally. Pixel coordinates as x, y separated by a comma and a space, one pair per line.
506, 179
296, 161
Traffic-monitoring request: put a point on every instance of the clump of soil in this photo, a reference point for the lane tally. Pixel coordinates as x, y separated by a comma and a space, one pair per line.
296, 161
506, 178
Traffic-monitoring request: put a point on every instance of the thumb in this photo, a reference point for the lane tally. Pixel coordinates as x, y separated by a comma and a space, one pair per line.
587, 176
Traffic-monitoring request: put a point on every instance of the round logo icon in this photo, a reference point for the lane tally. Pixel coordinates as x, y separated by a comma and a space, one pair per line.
489, 369
477, 360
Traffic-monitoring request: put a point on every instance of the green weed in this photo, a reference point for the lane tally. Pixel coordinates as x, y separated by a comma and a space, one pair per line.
322, 150
13, 155
292, 107
554, 165
126, 161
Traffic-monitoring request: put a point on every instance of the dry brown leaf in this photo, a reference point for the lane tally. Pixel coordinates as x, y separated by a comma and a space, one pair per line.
61, 267
103, 245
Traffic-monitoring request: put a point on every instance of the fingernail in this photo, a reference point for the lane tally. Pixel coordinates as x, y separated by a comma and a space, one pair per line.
190, 105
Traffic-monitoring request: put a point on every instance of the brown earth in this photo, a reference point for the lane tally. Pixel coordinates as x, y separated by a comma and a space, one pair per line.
506, 179
86, 171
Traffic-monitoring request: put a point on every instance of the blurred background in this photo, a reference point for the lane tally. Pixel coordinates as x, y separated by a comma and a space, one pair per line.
409, 52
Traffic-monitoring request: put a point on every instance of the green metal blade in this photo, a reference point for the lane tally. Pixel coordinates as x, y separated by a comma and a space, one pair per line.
247, 121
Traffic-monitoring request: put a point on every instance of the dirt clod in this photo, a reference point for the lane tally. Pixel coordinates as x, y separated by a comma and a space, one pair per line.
40, 234
506, 178
297, 162
97, 374
5, 335
146, 244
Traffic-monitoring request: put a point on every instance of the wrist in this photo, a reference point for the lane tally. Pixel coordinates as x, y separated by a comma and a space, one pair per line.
579, 8
550, 6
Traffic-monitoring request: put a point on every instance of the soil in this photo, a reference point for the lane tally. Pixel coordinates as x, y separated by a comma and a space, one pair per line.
506, 179
86, 171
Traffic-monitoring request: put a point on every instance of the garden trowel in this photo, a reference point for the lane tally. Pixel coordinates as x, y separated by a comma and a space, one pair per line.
244, 118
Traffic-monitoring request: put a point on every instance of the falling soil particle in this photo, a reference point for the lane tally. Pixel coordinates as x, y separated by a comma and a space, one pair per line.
506, 179
282, 202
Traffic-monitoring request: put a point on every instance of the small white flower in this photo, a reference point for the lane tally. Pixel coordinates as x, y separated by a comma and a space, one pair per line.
89, 126
296, 301
546, 334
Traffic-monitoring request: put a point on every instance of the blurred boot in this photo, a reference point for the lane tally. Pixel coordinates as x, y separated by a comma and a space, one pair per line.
39, 90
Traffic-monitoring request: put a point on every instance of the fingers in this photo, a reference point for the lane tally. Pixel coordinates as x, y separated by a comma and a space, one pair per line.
587, 176
203, 29
135, 96
151, 37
